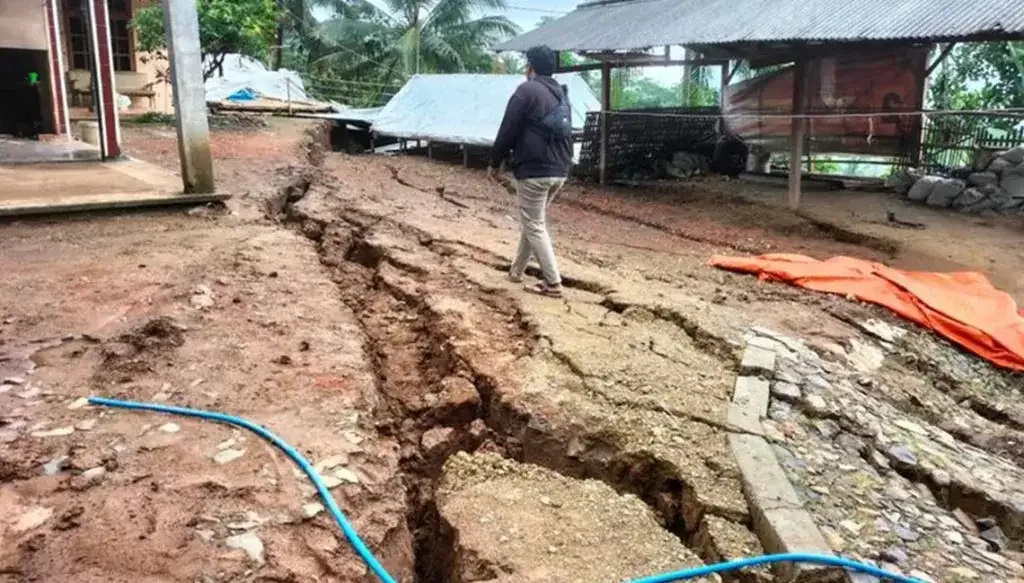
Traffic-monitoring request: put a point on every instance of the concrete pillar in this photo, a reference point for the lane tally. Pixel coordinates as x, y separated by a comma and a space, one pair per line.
181, 24
104, 91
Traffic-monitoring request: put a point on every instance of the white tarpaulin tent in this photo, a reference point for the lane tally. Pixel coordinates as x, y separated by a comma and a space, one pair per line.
244, 73
465, 109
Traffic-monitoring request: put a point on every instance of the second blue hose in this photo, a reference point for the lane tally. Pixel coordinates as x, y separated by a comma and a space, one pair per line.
371, 561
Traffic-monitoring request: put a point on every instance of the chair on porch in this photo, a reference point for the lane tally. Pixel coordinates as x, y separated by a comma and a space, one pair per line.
131, 83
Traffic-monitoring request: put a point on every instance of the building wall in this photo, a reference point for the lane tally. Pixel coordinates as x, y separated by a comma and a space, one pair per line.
22, 25
155, 68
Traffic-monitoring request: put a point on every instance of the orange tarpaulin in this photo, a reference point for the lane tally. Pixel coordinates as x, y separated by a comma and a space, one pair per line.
963, 307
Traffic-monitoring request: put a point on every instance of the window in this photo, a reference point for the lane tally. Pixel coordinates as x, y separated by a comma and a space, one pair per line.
79, 45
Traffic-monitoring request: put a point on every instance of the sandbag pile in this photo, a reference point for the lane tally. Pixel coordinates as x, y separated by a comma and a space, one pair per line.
998, 187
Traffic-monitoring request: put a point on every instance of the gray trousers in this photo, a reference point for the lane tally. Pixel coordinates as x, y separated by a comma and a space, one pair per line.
535, 194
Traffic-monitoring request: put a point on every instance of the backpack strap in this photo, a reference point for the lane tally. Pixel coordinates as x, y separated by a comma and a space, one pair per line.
559, 95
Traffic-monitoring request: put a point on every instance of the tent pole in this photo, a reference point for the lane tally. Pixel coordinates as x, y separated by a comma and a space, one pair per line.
430, 150
799, 124
606, 106
465, 156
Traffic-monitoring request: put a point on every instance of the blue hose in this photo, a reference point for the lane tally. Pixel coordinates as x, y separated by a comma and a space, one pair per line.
784, 558
350, 533
371, 561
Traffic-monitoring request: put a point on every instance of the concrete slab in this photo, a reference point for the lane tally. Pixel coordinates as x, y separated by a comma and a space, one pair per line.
757, 361
27, 189
19, 151
749, 404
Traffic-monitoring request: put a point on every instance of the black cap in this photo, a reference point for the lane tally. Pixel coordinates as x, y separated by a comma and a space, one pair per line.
542, 59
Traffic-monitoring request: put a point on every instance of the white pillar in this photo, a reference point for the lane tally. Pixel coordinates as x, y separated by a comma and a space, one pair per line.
181, 23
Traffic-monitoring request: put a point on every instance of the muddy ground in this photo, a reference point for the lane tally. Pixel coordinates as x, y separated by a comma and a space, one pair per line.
357, 306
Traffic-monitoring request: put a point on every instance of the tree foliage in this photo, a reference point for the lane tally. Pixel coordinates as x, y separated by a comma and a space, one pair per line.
980, 76
246, 27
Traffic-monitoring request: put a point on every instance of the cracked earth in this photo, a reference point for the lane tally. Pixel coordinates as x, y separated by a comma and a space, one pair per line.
358, 307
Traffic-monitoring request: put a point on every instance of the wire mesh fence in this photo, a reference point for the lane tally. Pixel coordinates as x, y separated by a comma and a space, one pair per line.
642, 141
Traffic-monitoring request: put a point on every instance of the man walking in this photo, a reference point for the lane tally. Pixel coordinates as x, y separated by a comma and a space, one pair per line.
537, 128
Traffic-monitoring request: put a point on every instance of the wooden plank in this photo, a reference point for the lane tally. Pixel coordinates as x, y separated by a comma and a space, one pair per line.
606, 106
796, 152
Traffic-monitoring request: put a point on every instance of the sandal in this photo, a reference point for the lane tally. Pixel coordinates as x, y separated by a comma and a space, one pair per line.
515, 278
545, 289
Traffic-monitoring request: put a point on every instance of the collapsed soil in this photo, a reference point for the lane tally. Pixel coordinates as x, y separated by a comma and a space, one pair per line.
357, 306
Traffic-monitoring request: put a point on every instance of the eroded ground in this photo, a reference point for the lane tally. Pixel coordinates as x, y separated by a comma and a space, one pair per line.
358, 307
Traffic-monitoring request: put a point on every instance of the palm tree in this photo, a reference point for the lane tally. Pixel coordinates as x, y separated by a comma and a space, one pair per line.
412, 36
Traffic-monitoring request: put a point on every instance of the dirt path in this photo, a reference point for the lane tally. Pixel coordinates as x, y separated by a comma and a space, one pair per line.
358, 307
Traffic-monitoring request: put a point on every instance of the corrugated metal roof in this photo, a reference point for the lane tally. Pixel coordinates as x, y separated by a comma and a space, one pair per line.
638, 24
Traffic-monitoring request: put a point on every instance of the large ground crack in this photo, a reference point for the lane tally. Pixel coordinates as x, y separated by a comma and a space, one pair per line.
438, 398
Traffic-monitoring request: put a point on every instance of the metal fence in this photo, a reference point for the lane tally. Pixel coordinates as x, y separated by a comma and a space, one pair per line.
637, 143
958, 141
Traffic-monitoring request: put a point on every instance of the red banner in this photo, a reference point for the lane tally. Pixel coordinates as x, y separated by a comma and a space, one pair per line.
884, 82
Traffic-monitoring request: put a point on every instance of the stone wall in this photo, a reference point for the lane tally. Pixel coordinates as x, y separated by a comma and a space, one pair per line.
996, 186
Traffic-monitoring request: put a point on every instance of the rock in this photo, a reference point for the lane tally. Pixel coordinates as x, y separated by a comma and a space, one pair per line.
827, 428
786, 391
228, 455
922, 189
835, 542
963, 574
882, 330
851, 527
88, 478
915, 574
902, 179
995, 538
330, 463
331, 482
998, 165
437, 438
13, 381
982, 523
954, 537
945, 191
226, 444
86, 425
1012, 181
54, 466
895, 555
169, 428
941, 478
202, 301
780, 411
865, 356
983, 178
79, 403
248, 542
1014, 157
907, 535
851, 443
968, 198
901, 457
816, 382
994, 198
35, 517
967, 522
347, 476
312, 509
58, 432
816, 405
